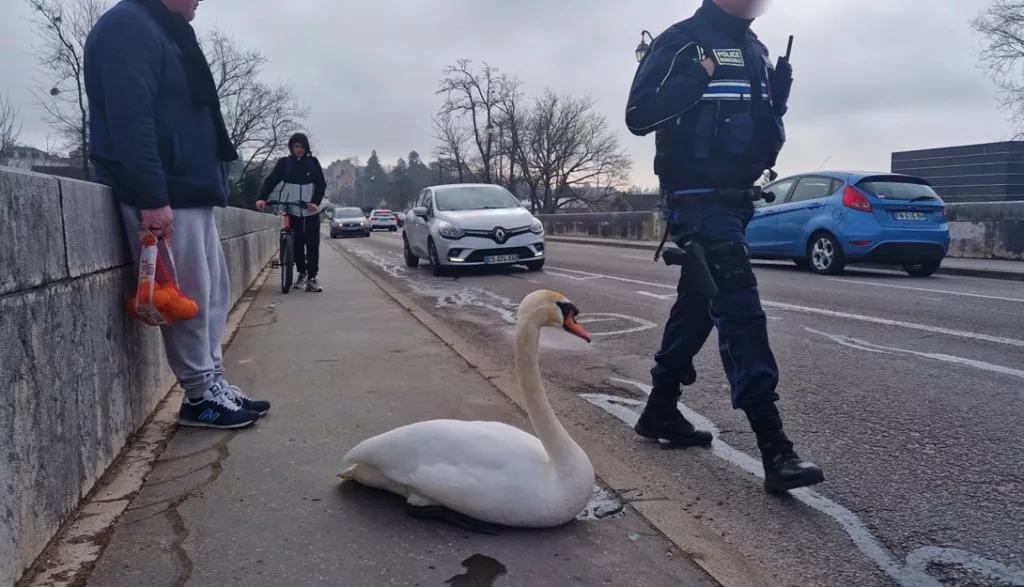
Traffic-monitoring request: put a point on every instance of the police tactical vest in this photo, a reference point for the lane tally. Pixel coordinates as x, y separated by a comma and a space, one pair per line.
734, 132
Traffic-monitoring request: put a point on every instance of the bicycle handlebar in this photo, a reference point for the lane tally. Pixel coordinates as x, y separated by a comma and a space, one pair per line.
300, 203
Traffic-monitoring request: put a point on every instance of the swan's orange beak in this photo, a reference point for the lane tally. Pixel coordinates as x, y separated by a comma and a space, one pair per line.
573, 327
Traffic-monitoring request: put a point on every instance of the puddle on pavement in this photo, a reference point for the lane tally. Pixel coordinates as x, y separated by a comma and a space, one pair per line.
481, 571
602, 505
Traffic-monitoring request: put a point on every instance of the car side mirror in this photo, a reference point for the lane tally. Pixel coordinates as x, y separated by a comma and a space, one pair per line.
420, 211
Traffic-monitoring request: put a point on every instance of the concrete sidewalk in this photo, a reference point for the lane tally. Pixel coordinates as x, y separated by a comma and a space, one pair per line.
986, 268
263, 507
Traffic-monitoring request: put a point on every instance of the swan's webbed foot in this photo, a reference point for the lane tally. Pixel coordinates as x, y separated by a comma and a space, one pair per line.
460, 521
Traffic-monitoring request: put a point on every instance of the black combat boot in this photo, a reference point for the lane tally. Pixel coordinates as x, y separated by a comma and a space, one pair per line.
783, 468
661, 420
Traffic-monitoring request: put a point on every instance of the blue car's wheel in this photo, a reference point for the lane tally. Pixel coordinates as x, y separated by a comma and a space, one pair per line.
825, 254
922, 269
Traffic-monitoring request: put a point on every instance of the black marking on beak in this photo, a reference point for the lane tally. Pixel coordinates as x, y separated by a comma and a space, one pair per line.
569, 324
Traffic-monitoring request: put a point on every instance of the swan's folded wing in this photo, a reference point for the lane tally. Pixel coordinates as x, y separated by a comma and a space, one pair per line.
438, 450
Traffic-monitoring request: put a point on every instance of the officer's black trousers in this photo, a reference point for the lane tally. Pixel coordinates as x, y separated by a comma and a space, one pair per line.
741, 322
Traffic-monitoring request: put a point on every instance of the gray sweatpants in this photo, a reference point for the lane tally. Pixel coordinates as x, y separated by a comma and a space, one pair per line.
193, 347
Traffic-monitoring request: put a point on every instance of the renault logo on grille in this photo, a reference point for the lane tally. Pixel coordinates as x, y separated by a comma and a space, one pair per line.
499, 235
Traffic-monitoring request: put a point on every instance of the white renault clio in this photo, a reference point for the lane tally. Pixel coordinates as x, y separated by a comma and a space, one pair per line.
465, 225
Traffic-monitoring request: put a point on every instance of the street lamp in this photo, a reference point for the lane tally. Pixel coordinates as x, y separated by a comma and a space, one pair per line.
643, 47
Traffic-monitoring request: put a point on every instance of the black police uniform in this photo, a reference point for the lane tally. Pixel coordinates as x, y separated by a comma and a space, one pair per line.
715, 135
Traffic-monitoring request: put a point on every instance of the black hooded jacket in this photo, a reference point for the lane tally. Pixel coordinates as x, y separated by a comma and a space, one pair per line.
298, 171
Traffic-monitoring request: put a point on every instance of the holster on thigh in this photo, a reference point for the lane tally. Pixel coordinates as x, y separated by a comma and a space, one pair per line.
730, 266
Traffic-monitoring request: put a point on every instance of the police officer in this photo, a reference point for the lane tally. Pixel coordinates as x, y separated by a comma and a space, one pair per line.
715, 102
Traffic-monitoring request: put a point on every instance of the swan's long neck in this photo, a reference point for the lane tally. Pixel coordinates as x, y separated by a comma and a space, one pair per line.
560, 446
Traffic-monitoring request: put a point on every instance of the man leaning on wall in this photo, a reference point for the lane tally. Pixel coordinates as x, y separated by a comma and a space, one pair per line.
160, 143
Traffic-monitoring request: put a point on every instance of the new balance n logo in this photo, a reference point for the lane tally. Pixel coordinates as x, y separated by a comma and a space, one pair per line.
208, 416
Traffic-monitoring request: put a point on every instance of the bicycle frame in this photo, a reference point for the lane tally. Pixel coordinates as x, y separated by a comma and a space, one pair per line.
286, 252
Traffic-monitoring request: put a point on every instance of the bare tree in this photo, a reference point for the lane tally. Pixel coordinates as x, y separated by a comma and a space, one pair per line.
454, 138
259, 117
473, 98
62, 27
570, 154
10, 125
1002, 54
511, 117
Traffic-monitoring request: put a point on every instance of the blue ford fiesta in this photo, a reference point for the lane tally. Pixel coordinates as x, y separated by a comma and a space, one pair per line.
825, 220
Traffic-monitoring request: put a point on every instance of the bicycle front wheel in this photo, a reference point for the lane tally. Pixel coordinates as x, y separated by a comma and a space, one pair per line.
287, 258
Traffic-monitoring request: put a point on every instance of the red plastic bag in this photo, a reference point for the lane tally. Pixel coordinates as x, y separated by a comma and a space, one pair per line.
157, 300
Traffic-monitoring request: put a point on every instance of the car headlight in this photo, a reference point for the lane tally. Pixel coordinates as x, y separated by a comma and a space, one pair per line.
362, 223
449, 230
537, 227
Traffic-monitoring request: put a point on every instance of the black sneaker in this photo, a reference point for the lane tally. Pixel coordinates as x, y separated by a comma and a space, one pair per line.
313, 285
247, 403
215, 410
301, 281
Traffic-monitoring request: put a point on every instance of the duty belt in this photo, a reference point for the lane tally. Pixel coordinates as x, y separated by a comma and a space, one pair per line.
728, 197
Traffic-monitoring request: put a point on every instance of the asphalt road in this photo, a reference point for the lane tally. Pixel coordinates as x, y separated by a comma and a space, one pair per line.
908, 392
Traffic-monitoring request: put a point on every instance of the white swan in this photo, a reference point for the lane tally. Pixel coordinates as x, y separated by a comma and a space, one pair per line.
490, 472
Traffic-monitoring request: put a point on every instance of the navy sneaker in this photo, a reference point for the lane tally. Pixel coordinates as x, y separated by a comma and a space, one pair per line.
245, 402
215, 409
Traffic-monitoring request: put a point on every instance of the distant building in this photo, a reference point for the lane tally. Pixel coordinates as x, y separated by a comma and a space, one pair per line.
628, 202
26, 158
969, 173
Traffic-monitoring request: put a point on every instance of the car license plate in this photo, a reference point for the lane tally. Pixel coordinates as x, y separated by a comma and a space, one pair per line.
910, 216
501, 259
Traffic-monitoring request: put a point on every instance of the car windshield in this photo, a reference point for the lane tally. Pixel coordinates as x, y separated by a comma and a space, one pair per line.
382, 213
898, 189
457, 199
348, 213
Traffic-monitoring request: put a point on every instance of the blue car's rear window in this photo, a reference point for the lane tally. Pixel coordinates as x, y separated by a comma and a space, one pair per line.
898, 189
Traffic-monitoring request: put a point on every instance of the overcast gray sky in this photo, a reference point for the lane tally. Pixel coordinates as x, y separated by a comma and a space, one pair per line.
872, 76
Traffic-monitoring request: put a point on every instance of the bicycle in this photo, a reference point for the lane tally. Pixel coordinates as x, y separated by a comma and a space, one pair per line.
286, 252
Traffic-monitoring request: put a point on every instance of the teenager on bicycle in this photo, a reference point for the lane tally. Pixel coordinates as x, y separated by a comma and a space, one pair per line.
303, 180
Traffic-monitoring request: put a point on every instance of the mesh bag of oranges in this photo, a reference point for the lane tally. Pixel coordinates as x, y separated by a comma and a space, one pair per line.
157, 300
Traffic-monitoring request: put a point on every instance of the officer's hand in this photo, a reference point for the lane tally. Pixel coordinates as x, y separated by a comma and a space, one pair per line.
783, 69
709, 65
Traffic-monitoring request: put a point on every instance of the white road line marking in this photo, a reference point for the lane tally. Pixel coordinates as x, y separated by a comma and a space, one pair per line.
863, 345
660, 297
928, 290
641, 324
845, 315
615, 278
567, 276
913, 572
887, 322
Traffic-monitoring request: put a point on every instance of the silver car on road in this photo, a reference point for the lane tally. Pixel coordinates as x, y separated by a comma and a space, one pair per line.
471, 225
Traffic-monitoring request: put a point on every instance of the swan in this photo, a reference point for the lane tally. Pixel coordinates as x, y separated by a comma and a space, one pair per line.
484, 475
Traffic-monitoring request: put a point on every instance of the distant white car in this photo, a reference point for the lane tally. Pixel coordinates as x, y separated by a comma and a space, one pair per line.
383, 220
471, 224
